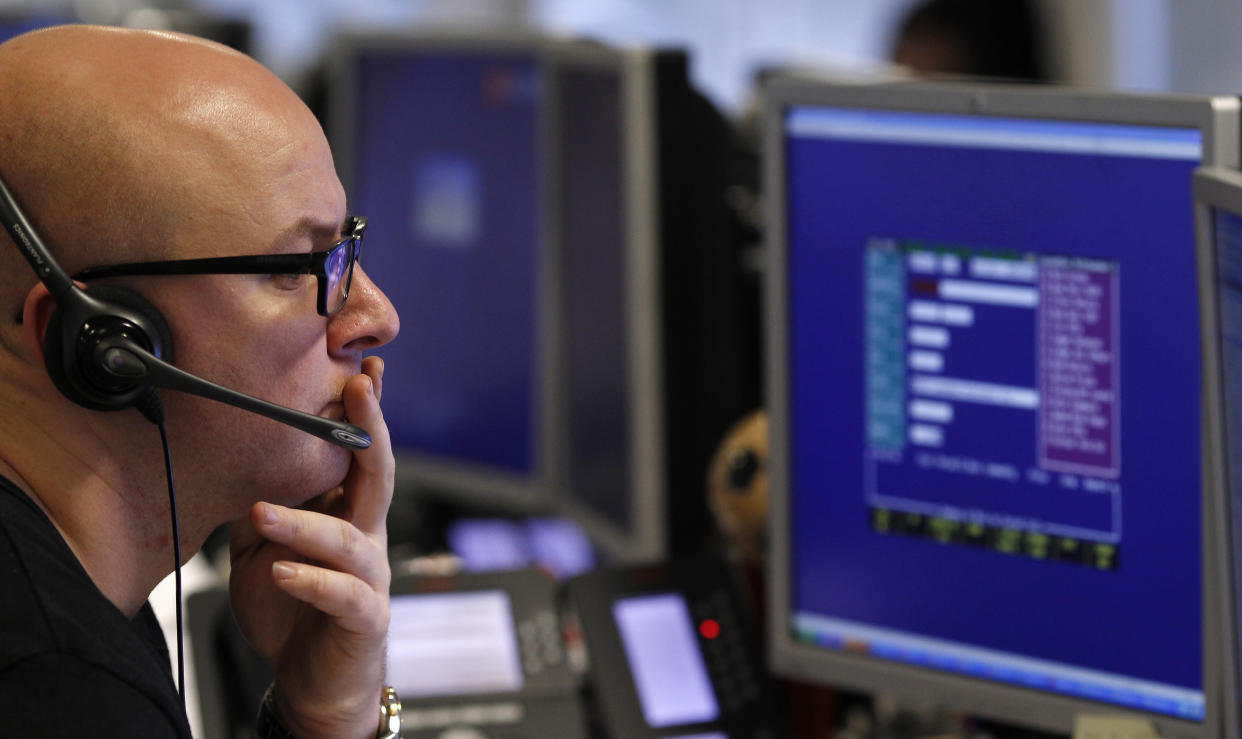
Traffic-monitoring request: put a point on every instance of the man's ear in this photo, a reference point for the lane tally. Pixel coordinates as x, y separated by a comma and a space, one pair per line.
36, 313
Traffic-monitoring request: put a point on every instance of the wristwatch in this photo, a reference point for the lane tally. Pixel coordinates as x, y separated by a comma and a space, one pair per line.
269, 725
390, 715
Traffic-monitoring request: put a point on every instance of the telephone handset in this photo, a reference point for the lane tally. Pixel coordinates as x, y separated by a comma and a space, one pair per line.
671, 653
481, 656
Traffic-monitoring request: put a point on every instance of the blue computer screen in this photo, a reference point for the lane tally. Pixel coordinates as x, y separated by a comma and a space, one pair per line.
17, 24
994, 396
447, 170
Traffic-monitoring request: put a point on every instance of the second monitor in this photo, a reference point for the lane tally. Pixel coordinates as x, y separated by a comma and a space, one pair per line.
442, 144
655, 357
550, 221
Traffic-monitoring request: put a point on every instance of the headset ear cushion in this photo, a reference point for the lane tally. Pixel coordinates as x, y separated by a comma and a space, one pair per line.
67, 372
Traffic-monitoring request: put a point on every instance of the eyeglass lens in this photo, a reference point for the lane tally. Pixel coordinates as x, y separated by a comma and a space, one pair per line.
340, 269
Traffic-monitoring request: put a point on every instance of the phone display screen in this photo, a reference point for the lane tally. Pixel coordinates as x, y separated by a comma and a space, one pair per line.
453, 644
664, 657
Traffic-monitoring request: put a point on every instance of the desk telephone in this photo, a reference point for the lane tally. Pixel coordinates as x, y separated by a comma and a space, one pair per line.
672, 653
657, 651
481, 656
662, 651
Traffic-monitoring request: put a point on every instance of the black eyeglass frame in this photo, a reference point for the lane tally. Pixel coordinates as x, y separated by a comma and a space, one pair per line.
312, 263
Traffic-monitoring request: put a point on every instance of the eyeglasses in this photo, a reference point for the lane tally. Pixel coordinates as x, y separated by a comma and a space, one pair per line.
334, 267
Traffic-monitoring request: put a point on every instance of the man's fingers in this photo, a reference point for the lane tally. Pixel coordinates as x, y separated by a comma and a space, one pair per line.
373, 367
354, 603
327, 539
369, 482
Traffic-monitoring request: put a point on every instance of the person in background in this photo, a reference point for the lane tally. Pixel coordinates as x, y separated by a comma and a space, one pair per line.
1001, 39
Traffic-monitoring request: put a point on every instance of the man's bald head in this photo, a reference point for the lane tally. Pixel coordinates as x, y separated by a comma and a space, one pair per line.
120, 143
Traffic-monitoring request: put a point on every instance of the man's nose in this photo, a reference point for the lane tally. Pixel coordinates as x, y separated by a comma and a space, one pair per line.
366, 321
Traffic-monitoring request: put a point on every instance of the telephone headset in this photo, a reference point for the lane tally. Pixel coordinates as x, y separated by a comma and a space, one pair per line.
106, 348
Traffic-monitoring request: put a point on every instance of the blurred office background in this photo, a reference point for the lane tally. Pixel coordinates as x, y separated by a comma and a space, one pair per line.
1152, 45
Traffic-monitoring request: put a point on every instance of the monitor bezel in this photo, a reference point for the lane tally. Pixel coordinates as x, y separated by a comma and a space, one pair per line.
1218, 119
645, 537
1219, 188
473, 484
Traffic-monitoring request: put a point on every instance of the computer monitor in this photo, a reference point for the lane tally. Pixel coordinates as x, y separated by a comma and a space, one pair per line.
440, 140
14, 22
986, 388
649, 288
602, 114
1218, 213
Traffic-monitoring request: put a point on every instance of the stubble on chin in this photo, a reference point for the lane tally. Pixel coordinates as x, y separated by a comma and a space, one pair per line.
320, 470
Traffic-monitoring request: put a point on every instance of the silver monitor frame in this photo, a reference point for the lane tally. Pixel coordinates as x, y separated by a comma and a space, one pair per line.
1220, 188
480, 485
1218, 119
645, 537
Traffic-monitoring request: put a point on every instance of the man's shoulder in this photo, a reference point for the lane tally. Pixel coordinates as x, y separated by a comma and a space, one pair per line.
55, 694
55, 621
35, 564
50, 604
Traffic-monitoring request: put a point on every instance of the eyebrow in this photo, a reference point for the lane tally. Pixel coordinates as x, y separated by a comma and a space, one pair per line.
312, 228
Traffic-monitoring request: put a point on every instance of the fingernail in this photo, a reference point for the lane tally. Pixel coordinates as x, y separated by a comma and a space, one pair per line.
283, 571
370, 385
270, 516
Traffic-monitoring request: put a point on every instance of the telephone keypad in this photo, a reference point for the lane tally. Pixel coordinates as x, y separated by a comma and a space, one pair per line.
539, 640
729, 662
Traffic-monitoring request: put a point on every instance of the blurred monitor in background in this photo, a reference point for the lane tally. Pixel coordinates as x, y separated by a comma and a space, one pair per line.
14, 22
440, 138
659, 343
578, 332
555, 545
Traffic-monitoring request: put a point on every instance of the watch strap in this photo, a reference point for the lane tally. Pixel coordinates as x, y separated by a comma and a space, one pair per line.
390, 715
268, 725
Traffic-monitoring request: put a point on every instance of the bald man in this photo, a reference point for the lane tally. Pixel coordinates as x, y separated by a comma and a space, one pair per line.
128, 146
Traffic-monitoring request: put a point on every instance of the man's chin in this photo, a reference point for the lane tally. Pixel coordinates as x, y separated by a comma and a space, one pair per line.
322, 468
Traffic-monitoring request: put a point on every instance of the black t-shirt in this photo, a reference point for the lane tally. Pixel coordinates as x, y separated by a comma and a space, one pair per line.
71, 664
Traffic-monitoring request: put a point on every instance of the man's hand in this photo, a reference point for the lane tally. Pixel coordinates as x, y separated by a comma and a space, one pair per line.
309, 586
